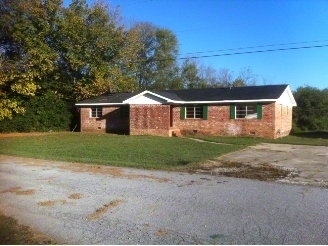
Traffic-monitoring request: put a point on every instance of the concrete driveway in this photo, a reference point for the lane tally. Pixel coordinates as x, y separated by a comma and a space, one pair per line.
308, 163
89, 204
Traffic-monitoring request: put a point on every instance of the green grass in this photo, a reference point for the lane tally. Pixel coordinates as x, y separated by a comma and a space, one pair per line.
116, 150
148, 152
305, 138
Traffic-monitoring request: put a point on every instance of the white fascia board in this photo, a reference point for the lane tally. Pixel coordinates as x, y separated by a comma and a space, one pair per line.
146, 92
99, 104
224, 101
180, 102
291, 96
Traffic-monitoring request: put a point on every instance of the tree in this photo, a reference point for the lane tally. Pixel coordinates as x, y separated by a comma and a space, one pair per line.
311, 112
68, 54
225, 77
97, 54
208, 76
246, 77
26, 60
157, 57
190, 75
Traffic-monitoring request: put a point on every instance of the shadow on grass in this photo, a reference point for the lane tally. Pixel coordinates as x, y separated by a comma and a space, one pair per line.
317, 134
183, 162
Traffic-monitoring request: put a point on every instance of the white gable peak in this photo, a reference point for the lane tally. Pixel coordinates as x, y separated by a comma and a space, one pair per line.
146, 97
287, 98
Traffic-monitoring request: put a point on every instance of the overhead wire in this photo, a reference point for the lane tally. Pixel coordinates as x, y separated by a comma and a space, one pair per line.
256, 51
236, 53
252, 47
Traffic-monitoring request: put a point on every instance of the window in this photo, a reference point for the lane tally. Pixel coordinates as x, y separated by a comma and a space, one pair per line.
194, 112
246, 111
96, 112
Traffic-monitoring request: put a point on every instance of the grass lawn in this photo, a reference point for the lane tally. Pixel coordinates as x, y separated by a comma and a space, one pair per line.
148, 152
116, 150
305, 138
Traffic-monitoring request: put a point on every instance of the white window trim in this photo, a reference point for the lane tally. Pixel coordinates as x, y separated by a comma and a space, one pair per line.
252, 115
194, 113
97, 113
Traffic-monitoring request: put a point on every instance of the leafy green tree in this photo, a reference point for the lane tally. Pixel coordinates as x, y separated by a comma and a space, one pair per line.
71, 53
26, 57
157, 64
311, 113
190, 75
97, 54
43, 112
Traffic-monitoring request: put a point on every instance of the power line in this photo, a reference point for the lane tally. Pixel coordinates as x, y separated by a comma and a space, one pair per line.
237, 53
252, 47
256, 51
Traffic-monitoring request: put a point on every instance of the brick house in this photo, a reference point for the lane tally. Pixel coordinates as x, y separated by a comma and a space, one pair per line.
261, 111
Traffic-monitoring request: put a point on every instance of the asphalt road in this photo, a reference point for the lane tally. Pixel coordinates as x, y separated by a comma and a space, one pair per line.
81, 204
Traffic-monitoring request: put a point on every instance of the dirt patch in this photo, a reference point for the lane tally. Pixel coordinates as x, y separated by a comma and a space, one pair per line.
75, 196
12, 233
263, 171
50, 203
80, 167
18, 191
113, 171
138, 176
11, 190
160, 233
100, 211
25, 192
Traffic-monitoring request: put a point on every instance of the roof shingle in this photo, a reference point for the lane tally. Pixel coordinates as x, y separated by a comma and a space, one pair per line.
269, 92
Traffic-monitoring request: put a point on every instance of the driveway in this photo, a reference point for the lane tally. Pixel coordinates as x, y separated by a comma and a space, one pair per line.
89, 204
309, 164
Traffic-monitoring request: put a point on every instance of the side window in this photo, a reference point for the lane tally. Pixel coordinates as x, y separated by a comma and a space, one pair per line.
96, 112
194, 112
244, 111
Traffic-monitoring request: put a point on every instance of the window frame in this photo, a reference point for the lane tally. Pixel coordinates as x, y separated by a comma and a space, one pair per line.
96, 112
197, 111
250, 109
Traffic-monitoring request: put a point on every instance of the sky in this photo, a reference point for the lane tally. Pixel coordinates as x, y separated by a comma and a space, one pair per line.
218, 29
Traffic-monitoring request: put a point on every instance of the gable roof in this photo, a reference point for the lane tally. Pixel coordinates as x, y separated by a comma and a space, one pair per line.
228, 94
112, 98
208, 95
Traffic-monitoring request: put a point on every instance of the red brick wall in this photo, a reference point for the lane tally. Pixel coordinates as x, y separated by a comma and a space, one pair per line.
283, 120
109, 122
150, 120
156, 120
219, 123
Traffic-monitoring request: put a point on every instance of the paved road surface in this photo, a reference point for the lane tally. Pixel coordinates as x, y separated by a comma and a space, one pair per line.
84, 204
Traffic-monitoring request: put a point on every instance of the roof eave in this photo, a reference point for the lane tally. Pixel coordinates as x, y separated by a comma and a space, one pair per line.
223, 101
99, 104
182, 102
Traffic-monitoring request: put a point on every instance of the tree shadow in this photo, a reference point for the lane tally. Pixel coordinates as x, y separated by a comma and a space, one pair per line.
316, 134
